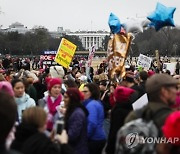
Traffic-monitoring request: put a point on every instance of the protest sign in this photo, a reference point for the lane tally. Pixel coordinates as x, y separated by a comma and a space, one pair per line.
144, 61
141, 102
170, 66
65, 53
118, 47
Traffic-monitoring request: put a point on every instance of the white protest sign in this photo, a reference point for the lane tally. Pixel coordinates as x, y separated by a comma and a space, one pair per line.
141, 102
144, 61
170, 66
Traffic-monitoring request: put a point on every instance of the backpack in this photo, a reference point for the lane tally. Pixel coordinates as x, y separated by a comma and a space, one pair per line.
128, 137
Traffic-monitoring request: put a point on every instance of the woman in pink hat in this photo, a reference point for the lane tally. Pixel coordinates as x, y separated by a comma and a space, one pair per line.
52, 100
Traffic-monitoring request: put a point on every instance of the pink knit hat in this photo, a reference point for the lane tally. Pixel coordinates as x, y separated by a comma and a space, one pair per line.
52, 81
172, 126
122, 94
7, 87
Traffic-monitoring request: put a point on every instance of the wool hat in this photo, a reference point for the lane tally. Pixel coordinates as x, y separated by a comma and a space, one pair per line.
7, 87
52, 81
151, 73
83, 78
122, 94
172, 126
155, 82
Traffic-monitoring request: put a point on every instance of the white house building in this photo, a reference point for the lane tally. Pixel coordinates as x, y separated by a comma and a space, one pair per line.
17, 27
91, 38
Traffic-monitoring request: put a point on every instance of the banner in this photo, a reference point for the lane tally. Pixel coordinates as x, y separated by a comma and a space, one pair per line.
47, 57
117, 52
65, 53
144, 61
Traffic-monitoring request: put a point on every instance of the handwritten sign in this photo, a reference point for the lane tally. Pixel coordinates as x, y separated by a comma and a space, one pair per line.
65, 53
144, 61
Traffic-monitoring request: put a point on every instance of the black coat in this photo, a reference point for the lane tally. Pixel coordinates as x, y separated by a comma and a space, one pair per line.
3, 150
118, 115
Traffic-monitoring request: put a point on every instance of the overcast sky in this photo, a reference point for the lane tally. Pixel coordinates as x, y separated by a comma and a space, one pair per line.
77, 14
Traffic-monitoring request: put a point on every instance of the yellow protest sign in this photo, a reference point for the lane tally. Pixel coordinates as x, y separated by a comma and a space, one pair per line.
65, 53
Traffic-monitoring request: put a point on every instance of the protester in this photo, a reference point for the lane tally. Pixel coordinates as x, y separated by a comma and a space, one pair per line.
123, 98
161, 91
6, 87
143, 76
177, 67
105, 98
70, 84
83, 80
96, 134
111, 97
30, 137
8, 112
30, 89
52, 100
22, 99
76, 122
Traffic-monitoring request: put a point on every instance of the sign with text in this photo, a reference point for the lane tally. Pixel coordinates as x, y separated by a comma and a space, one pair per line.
65, 53
144, 61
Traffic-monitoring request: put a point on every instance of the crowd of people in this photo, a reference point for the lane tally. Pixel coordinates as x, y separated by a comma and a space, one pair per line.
95, 113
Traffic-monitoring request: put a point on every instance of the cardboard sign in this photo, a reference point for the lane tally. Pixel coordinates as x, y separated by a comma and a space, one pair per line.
144, 61
65, 53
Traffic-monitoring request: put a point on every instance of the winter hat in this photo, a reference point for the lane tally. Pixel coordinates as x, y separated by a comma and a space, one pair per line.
7, 87
172, 126
52, 81
155, 82
83, 78
150, 73
57, 72
122, 94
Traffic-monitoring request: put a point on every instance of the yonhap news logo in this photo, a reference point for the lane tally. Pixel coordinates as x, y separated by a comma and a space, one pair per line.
133, 139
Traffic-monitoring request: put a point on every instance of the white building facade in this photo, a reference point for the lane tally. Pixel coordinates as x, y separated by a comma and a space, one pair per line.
91, 38
17, 27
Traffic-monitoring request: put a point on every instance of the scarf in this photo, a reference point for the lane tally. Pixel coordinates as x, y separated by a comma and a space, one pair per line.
52, 110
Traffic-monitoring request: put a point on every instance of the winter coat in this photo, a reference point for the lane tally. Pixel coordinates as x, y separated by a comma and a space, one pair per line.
3, 150
95, 119
23, 103
77, 131
118, 115
29, 141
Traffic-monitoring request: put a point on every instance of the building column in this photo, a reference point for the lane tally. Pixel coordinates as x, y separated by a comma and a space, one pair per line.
86, 44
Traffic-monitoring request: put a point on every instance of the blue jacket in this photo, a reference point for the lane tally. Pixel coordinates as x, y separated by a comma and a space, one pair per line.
95, 119
77, 131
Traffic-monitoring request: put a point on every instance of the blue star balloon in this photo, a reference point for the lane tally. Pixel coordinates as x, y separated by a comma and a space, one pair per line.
162, 16
114, 23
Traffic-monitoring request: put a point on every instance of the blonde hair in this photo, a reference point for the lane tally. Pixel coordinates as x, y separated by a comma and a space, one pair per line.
35, 116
